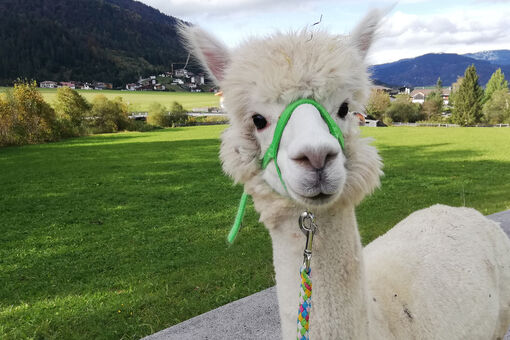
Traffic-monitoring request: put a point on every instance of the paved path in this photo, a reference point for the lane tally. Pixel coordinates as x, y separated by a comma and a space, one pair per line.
253, 317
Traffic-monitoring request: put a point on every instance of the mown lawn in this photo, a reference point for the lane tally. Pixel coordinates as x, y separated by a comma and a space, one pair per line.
121, 235
141, 100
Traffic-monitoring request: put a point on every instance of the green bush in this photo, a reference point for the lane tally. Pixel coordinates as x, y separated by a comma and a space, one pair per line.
159, 116
71, 109
497, 109
109, 115
177, 114
403, 110
141, 126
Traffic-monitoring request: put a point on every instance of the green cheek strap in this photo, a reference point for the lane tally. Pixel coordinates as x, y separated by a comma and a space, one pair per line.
272, 151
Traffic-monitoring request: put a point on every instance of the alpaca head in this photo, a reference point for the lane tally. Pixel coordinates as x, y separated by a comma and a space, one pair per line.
262, 77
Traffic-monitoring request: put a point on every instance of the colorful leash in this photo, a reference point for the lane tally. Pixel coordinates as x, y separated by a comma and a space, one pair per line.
309, 228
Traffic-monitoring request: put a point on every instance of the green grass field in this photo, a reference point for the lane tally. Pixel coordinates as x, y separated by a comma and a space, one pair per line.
117, 236
140, 101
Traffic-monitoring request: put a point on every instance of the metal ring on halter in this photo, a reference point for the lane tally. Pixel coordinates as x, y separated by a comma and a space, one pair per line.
307, 227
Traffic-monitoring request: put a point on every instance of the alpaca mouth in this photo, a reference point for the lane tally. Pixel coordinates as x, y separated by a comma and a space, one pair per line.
318, 199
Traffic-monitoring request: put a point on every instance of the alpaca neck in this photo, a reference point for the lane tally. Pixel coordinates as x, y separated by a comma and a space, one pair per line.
339, 299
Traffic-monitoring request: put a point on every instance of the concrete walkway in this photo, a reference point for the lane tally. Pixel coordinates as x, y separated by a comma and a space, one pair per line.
253, 317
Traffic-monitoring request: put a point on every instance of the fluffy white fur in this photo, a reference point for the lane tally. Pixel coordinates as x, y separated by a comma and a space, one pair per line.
442, 273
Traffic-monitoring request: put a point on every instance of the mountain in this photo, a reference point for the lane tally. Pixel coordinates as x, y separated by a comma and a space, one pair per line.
498, 57
424, 70
85, 40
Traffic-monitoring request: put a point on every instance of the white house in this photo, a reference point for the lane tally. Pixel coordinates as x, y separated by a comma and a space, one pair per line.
418, 95
48, 84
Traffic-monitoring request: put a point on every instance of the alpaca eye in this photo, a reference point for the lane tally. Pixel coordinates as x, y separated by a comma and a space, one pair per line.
343, 110
259, 121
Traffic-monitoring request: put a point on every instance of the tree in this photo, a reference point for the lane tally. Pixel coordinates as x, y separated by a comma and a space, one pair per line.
158, 115
497, 82
433, 105
32, 120
378, 103
467, 102
439, 84
109, 115
177, 114
71, 109
403, 110
497, 109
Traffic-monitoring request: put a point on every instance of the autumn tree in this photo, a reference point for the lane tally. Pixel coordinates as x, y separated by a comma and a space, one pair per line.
378, 103
467, 102
28, 118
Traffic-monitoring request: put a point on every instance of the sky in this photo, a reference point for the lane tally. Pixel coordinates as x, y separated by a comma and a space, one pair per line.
411, 27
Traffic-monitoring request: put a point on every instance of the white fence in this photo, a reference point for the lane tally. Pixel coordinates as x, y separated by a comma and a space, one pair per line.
445, 125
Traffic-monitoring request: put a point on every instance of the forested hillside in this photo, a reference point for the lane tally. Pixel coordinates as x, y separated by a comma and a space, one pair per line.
85, 40
424, 70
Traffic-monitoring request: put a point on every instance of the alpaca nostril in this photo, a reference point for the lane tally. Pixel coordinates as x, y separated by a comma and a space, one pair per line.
315, 160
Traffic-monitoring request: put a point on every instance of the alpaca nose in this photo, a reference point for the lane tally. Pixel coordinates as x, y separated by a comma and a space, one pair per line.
316, 158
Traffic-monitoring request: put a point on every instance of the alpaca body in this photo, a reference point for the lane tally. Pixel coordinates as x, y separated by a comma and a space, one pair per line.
441, 273
410, 283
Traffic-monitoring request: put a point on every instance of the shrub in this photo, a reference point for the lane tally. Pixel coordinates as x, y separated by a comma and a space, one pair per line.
157, 115
71, 110
141, 126
378, 103
497, 109
177, 114
26, 117
109, 115
403, 110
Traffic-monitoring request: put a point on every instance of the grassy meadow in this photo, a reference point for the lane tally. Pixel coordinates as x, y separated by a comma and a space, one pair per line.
117, 236
141, 100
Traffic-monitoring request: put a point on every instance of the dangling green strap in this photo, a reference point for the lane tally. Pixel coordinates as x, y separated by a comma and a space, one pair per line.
239, 218
272, 150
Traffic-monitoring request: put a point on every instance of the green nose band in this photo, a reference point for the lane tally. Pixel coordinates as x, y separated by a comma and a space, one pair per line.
272, 151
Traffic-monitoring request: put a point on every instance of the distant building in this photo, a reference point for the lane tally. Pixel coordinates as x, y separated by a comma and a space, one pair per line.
131, 87
99, 85
48, 84
181, 73
418, 95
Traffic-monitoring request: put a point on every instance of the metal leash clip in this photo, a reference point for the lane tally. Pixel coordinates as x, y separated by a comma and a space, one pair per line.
309, 228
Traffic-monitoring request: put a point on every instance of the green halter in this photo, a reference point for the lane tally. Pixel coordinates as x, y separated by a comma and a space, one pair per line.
272, 150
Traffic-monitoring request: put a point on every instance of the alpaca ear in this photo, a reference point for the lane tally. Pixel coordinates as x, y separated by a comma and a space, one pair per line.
363, 35
209, 51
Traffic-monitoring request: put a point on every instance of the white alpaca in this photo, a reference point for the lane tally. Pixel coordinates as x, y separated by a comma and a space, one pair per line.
442, 273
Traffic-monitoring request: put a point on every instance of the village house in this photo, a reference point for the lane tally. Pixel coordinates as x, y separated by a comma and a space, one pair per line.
48, 84
69, 84
418, 95
99, 85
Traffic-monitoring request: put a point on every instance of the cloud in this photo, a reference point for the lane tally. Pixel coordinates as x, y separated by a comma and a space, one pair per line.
213, 8
454, 31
